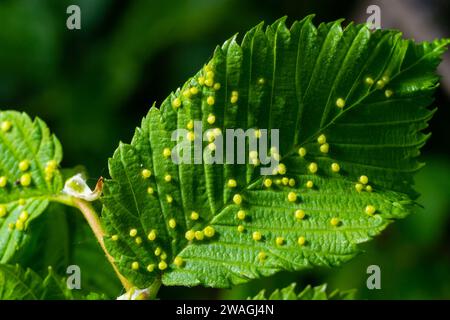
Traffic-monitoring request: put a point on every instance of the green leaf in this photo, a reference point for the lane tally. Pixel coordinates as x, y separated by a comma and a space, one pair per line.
29, 177
19, 284
366, 92
309, 293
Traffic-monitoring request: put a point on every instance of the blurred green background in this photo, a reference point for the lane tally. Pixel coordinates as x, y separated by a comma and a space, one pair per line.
93, 86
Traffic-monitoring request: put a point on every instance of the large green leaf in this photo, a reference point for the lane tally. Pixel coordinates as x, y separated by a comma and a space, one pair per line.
366, 92
309, 293
29, 177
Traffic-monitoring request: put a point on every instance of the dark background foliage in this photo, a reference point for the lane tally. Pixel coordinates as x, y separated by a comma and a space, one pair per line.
93, 86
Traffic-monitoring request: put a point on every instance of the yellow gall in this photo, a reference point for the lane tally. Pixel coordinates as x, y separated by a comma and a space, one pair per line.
322, 139
167, 178
172, 223
166, 152
241, 214
299, 214
388, 93
209, 231
3, 181
292, 197
211, 118
25, 180
369, 81
369, 188
2, 211
24, 216
138, 240
187, 93
380, 84
291, 182
256, 235
150, 267
135, 265
6, 126
169, 198
232, 183
216, 86
20, 225
335, 221
199, 235
262, 256
210, 100
190, 136
340, 103
162, 265
302, 152
157, 251
133, 233
267, 182
309, 184
24, 165
335, 167
146, 173
285, 181
209, 82
240, 228
364, 179
178, 261
359, 187
282, 168
313, 167
237, 199
115, 237
194, 215
324, 148
201, 80
151, 235
176, 103
279, 241
189, 235
234, 97
301, 241
370, 210
193, 90
150, 190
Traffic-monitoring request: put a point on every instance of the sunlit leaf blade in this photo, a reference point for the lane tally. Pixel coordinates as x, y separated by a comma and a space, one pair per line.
366, 92
29, 177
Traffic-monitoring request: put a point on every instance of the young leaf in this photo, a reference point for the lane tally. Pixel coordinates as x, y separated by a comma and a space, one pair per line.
19, 284
309, 293
29, 176
355, 101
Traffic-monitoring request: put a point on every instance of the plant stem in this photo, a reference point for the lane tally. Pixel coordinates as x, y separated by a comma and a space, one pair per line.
93, 220
153, 289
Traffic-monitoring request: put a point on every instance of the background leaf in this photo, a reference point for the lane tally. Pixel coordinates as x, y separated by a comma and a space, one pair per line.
19, 284
309, 293
30, 156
